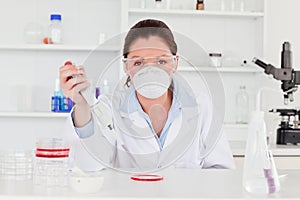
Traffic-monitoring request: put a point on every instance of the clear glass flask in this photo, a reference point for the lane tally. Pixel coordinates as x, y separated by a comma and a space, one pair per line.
260, 173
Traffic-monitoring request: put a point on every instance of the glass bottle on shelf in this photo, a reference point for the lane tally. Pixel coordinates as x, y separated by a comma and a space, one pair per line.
222, 6
237, 5
142, 4
242, 106
158, 4
55, 29
168, 4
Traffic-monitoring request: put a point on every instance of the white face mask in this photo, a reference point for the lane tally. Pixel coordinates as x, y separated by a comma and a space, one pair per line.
151, 82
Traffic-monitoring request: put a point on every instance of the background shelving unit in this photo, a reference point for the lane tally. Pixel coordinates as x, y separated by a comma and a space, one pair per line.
34, 114
43, 47
36, 65
242, 35
31, 69
221, 69
203, 13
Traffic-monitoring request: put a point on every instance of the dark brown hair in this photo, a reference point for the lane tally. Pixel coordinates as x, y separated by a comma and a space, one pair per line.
147, 28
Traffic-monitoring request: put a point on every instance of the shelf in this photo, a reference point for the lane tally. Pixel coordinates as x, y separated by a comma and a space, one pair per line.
49, 47
221, 69
253, 15
34, 114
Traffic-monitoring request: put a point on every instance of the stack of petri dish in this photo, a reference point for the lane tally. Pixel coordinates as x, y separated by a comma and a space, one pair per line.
51, 163
16, 164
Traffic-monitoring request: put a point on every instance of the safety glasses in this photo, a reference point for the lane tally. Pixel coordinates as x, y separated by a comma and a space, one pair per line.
136, 63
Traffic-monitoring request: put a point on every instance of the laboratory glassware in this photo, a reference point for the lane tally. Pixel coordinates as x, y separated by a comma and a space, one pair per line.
260, 173
56, 29
51, 162
242, 106
16, 164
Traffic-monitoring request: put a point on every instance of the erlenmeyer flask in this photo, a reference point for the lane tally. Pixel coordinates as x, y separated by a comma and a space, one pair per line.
260, 174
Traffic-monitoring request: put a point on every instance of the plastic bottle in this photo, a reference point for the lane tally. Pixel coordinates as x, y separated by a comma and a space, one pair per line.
59, 102
242, 105
259, 174
56, 98
66, 104
55, 29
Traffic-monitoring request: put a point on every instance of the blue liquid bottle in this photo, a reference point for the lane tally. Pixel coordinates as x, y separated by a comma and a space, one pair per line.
56, 98
59, 102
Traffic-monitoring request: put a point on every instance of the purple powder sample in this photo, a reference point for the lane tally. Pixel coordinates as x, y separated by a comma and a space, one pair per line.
270, 180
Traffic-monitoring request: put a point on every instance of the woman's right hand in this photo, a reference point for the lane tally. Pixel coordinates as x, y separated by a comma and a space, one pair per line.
72, 81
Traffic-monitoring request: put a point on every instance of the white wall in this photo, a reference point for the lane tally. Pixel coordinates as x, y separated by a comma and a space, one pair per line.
38, 69
83, 19
281, 24
82, 22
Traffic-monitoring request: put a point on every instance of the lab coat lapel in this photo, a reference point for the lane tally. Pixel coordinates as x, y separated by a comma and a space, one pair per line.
137, 151
140, 133
182, 135
173, 130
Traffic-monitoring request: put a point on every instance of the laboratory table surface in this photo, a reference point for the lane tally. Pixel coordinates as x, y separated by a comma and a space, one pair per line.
238, 149
177, 184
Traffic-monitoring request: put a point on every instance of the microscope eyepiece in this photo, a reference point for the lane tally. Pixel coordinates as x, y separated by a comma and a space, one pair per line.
259, 63
286, 56
254, 59
286, 46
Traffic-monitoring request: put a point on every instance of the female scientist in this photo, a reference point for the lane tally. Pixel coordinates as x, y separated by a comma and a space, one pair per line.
156, 105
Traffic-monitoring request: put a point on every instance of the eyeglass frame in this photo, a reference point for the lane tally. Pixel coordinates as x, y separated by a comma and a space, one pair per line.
124, 60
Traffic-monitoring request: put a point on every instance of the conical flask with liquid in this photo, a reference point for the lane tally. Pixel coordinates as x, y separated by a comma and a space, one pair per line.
260, 173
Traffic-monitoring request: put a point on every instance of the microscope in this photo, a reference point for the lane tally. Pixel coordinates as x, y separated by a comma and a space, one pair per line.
288, 131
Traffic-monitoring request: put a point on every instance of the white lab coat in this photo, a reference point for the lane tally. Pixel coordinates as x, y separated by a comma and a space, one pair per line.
183, 146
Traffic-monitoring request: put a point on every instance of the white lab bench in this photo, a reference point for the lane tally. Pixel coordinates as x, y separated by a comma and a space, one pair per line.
177, 184
285, 156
